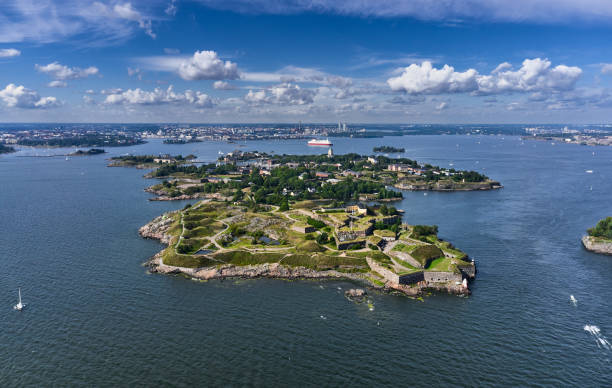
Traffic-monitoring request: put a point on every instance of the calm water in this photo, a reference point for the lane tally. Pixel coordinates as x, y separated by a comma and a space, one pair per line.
68, 233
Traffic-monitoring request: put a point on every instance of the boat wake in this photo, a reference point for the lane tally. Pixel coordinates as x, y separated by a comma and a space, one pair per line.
601, 340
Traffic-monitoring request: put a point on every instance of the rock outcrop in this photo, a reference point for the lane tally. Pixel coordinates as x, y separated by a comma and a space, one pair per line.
597, 245
266, 270
158, 229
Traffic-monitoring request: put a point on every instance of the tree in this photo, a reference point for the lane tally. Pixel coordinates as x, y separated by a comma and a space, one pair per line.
284, 205
322, 238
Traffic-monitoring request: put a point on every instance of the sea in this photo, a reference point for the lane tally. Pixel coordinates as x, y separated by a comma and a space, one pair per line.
94, 316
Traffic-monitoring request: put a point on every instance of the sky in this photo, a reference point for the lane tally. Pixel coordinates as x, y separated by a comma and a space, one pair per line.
265, 61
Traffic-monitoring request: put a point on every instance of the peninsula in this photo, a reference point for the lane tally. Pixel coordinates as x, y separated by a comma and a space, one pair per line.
301, 216
599, 238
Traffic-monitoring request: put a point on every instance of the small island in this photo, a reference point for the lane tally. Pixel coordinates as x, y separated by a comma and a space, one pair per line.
388, 150
599, 238
91, 151
148, 161
4, 149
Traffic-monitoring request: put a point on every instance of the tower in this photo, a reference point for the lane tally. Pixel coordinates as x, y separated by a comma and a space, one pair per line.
330, 153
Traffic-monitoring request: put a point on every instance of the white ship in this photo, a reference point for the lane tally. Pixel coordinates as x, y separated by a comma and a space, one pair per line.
316, 142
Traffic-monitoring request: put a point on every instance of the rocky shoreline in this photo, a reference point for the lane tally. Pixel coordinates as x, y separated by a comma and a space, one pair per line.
157, 230
161, 196
596, 245
448, 187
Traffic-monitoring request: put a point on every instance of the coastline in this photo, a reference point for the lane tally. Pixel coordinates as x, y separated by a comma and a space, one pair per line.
491, 185
592, 244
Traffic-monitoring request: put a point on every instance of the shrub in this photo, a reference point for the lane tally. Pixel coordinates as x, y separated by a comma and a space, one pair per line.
316, 223
603, 229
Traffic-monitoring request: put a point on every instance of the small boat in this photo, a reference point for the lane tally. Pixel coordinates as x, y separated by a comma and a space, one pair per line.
589, 171
573, 300
19, 306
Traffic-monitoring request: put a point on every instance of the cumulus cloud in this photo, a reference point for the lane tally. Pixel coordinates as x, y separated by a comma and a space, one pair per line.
9, 52
534, 75
424, 78
57, 84
21, 97
223, 85
207, 65
63, 72
159, 96
283, 94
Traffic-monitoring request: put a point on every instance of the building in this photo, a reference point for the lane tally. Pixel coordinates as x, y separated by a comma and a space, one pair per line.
322, 175
357, 210
330, 153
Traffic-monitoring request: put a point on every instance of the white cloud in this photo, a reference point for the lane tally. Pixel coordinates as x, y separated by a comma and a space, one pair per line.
135, 72
57, 84
159, 96
171, 51
426, 79
202, 65
93, 22
534, 75
519, 11
283, 94
171, 9
111, 91
9, 52
606, 68
63, 72
207, 65
441, 106
223, 85
21, 97
125, 11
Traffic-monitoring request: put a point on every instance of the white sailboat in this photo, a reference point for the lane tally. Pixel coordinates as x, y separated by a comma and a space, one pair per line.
19, 306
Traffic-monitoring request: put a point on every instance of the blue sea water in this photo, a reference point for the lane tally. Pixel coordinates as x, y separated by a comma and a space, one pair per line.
94, 317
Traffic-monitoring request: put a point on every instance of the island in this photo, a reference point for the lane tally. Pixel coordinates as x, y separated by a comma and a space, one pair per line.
4, 149
599, 238
274, 178
148, 161
307, 240
91, 151
388, 150
299, 217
